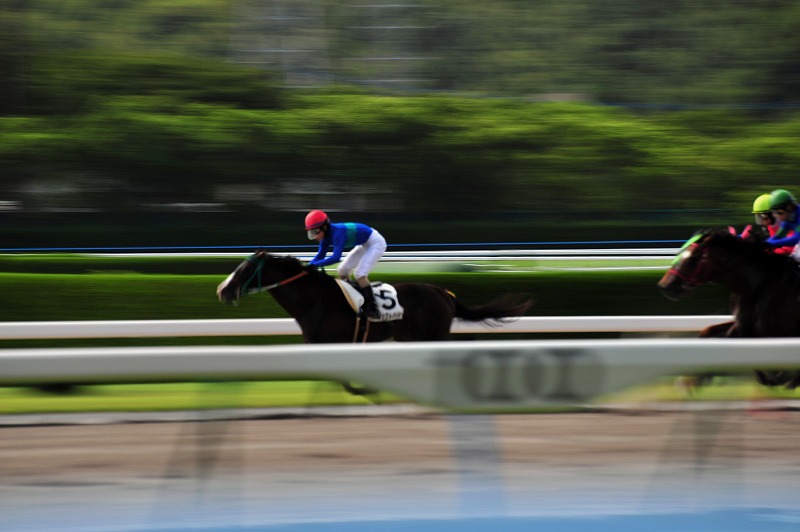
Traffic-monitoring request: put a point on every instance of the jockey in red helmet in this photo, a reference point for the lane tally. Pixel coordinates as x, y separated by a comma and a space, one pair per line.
315, 220
367, 246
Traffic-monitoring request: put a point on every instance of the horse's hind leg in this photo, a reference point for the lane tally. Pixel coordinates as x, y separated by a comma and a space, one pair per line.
720, 330
794, 380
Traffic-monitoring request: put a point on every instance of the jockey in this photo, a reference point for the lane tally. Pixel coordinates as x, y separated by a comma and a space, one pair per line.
787, 213
765, 224
367, 245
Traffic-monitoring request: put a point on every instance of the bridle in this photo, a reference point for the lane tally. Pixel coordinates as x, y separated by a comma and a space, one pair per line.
697, 276
259, 265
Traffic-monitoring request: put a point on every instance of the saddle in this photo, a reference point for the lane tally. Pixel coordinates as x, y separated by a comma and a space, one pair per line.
386, 301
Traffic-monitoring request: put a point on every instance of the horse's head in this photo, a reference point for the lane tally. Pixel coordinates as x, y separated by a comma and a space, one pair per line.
688, 269
723, 257
260, 271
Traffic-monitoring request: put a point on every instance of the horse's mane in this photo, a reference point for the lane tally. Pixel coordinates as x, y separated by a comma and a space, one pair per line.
290, 265
285, 261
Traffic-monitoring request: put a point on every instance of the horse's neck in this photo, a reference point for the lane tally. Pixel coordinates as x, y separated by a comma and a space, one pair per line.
764, 301
756, 288
743, 278
284, 297
300, 297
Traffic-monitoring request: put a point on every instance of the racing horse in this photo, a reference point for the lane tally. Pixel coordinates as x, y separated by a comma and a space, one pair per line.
764, 287
315, 300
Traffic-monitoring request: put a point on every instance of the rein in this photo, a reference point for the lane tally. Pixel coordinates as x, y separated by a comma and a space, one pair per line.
285, 281
259, 267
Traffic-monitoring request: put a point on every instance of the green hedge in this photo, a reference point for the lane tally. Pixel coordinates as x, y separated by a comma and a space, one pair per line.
86, 287
136, 296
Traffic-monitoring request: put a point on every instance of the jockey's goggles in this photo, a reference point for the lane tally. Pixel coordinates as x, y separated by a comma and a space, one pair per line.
779, 212
312, 233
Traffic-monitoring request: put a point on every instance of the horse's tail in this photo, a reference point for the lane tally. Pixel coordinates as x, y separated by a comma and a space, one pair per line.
500, 310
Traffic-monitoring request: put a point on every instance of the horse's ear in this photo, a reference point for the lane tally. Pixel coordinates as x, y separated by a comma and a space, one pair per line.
260, 252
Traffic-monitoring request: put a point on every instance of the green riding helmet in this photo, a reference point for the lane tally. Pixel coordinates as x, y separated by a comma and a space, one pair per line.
761, 204
780, 197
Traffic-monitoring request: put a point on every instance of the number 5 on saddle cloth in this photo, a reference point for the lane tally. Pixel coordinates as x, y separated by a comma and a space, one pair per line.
386, 300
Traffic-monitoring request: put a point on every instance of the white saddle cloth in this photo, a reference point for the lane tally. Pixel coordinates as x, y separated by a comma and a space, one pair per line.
386, 300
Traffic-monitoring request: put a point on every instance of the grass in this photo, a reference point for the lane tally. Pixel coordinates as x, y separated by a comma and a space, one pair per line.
734, 388
277, 394
181, 396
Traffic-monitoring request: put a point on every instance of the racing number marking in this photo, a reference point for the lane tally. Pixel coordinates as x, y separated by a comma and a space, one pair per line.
388, 301
514, 376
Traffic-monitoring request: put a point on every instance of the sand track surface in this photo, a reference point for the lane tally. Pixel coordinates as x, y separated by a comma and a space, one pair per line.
290, 468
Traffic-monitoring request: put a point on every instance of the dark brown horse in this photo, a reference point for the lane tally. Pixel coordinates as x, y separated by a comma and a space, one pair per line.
315, 301
764, 287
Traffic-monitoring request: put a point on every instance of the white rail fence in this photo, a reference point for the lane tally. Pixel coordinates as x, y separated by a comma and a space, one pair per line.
490, 376
651, 253
535, 254
27, 330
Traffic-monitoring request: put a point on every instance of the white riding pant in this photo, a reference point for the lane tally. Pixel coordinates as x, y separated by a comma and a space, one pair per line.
364, 257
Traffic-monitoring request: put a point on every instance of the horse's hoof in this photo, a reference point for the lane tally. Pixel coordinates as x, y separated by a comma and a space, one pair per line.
356, 389
793, 382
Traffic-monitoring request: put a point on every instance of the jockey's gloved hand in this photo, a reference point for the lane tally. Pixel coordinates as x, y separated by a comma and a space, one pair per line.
311, 267
759, 234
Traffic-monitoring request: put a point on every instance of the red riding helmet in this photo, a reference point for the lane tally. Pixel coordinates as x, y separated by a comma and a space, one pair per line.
316, 219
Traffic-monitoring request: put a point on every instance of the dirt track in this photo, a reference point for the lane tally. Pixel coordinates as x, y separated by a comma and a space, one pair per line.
393, 442
428, 456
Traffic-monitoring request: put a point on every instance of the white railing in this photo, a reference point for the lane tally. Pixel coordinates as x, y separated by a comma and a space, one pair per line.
487, 376
483, 376
536, 254
286, 326
456, 255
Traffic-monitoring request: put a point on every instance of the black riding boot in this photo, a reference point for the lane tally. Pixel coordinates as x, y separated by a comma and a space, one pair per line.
369, 307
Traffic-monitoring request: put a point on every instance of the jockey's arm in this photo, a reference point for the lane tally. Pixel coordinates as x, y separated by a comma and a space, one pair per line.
776, 241
321, 252
336, 255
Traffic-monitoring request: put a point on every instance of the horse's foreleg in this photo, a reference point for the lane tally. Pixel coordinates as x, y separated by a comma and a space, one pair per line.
371, 394
690, 383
